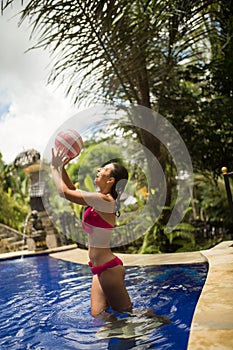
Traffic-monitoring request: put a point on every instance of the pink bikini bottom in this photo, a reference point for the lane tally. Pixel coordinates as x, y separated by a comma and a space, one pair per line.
97, 270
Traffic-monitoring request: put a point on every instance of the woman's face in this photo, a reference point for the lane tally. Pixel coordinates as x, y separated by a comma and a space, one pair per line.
103, 175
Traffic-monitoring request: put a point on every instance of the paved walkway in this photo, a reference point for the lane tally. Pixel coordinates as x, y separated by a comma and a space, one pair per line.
212, 325
80, 256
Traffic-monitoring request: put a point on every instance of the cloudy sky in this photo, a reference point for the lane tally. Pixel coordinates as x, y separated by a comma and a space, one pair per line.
30, 109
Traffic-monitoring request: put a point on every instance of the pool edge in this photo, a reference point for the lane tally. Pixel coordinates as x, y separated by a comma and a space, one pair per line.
212, 323
29, 253
80, 256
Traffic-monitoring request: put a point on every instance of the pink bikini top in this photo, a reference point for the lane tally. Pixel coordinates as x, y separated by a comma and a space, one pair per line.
92, 219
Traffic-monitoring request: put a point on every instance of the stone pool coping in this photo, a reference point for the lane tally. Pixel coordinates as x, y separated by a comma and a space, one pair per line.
212, 324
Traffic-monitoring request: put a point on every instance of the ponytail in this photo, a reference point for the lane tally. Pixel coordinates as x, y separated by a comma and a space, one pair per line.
120, 175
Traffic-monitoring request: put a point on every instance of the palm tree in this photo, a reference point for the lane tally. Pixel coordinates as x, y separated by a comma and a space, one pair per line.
124, 51
120, 50
117, 49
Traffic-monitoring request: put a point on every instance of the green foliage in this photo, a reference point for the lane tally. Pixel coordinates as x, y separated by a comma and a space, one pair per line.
96, 155
14, 181
125, 48
171, 56
12, 212
14, 202
210, 199
182, 238
88, 183
154, 241
157, 240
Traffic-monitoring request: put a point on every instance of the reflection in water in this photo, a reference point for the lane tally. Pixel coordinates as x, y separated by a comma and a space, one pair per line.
135, 325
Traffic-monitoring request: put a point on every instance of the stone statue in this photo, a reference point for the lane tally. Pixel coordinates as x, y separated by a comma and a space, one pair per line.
38, 225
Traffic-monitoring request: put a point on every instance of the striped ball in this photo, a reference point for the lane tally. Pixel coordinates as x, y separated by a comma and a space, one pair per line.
71, 141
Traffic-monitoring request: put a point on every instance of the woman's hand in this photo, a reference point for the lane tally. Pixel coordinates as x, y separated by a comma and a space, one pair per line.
60, 159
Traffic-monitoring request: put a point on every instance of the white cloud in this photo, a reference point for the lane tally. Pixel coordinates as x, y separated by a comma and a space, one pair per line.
30, 110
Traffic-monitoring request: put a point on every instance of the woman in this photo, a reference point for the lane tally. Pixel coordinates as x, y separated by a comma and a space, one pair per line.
108, 287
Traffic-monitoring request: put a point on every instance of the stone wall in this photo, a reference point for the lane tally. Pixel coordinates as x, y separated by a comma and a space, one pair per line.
40, 231
11, 240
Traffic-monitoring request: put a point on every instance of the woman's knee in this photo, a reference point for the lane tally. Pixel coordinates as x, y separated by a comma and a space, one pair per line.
99, 313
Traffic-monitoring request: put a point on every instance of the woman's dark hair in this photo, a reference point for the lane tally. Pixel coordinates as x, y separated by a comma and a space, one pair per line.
121, 176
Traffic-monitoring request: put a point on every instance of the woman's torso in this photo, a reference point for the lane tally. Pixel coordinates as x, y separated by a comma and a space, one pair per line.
99, 227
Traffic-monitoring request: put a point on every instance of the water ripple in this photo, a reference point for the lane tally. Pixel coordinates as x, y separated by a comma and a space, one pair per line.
45, 305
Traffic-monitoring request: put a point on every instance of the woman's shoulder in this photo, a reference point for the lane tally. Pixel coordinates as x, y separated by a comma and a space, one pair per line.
100, 201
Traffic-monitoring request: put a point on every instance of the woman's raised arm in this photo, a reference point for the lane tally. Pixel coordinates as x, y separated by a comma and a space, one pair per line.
66, 188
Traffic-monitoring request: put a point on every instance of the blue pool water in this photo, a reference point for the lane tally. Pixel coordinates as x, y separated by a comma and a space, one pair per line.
44, 304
